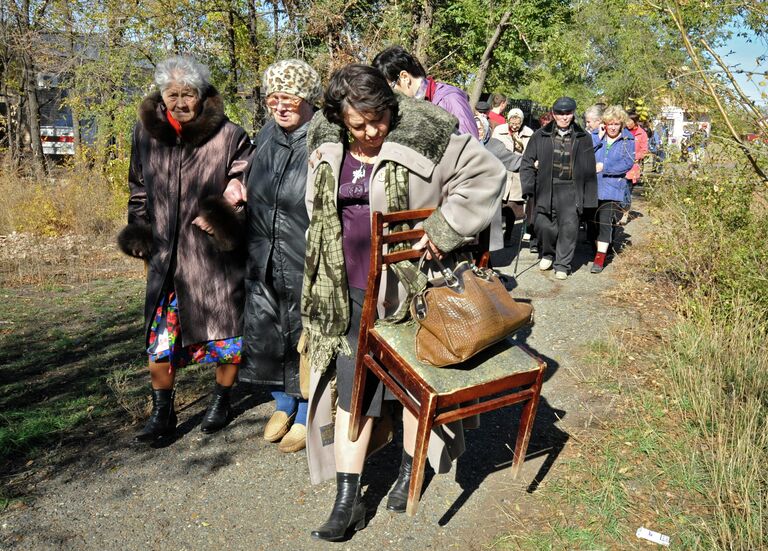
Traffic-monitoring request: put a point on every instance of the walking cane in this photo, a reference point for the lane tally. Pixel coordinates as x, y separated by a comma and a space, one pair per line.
522, 233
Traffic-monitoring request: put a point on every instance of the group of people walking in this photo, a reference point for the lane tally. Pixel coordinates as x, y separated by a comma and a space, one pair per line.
257, 252
562, 177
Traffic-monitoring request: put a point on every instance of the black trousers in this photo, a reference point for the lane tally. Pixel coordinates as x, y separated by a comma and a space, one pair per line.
606, 217
558, 231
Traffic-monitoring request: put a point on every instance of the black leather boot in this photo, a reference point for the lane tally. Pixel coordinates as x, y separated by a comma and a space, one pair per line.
162, 420
398, 495
219, 413
348, 509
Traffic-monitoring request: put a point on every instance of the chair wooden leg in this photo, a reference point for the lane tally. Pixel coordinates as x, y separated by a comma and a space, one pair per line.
426, 416
524, 432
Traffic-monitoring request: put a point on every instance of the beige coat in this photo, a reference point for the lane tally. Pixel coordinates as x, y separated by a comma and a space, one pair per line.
466, 184
513, 191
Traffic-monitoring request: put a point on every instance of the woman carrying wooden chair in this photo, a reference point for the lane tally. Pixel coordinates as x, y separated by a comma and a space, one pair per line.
373, 150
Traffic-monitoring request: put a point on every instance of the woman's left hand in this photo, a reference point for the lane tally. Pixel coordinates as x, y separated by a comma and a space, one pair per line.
422, 244
203, 224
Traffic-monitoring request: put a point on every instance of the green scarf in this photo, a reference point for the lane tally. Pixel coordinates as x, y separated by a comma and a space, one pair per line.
325, 296
325, 300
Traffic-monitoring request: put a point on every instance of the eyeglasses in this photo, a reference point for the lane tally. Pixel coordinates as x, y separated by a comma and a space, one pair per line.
562, 113
290, 102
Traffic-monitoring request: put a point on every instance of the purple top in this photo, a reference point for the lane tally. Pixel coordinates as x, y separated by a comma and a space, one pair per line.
355, 219
455, 102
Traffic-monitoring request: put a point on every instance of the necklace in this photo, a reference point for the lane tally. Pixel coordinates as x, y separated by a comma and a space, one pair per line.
358, 173
363, 159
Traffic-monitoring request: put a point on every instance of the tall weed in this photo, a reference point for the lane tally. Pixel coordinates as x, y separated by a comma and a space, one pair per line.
718, 363
712, 244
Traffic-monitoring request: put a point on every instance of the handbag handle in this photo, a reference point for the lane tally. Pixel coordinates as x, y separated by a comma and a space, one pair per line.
448, 276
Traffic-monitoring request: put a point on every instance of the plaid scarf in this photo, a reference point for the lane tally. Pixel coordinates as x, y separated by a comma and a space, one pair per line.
561, 154
325, 296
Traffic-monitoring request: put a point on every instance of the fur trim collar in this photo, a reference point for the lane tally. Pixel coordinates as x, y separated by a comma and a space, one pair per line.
420, 126
196, 132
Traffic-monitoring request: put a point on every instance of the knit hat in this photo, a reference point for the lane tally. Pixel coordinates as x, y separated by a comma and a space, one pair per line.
515, 112
293, 76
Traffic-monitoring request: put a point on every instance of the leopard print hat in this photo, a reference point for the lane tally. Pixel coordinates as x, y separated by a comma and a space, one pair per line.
293, 76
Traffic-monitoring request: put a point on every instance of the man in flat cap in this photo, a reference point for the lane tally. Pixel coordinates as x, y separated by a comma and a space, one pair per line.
558, 170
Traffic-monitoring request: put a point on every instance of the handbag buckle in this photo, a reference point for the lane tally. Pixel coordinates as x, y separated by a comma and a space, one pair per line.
450, 279
419, 306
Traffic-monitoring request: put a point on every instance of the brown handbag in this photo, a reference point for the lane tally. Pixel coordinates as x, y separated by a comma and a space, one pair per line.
467, 312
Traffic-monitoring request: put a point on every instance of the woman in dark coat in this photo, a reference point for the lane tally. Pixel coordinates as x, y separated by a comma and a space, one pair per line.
277, 222
185, 152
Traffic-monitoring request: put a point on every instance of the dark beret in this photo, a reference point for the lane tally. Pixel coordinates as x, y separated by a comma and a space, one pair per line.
482, 107
564, 104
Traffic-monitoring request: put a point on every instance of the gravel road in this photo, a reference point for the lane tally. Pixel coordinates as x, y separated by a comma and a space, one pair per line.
233, 490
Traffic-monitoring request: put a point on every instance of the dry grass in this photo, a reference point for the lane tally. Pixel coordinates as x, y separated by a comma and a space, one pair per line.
62, 230
74, 200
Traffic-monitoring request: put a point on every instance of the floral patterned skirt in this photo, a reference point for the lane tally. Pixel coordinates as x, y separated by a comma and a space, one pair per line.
165, 341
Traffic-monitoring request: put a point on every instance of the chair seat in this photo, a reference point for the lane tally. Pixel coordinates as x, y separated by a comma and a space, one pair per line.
500, 360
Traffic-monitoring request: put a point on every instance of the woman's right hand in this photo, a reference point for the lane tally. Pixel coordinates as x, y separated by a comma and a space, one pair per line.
235, 194
422, 244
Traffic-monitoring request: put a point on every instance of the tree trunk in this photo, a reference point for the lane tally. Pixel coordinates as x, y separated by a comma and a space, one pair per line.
485, 61
255, 59
422, 32
276, 22
232, 54
33, 116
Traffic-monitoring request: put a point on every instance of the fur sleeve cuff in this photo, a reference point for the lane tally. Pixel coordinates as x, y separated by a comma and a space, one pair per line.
441, 233
135, 240
228, 224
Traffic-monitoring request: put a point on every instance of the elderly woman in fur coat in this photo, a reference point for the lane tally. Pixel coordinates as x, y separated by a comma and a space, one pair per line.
185, 153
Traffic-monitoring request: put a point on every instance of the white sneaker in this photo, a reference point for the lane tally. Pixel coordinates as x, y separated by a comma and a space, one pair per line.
561, 275
545, 264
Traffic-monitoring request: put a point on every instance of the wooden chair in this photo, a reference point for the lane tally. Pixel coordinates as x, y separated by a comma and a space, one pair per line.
502, 375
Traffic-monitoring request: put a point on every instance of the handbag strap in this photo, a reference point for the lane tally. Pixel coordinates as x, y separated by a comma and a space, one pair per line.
450, 278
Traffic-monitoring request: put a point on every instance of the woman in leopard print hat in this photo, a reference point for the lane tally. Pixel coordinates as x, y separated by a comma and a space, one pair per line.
277, 221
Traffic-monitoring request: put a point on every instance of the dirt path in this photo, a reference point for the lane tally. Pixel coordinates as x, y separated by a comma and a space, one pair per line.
233, 490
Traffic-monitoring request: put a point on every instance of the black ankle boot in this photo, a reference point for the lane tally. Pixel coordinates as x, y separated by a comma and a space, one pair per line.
348, 509
219, 413
162, 420
398, 495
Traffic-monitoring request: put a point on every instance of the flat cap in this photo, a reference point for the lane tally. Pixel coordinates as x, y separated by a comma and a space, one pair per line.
564, 104
482, 107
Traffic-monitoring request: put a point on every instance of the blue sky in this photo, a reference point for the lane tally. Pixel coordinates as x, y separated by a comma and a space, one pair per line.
744, 53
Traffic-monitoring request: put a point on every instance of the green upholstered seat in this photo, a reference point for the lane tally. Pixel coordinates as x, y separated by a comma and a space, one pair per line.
503, 359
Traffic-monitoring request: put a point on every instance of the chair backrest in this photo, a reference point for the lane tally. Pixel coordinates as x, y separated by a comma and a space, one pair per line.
382, 235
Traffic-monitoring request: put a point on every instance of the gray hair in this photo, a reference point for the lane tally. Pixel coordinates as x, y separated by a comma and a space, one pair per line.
594, 112
182, 70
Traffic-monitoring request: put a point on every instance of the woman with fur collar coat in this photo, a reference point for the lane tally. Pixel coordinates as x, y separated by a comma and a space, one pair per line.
184, 154
373, 150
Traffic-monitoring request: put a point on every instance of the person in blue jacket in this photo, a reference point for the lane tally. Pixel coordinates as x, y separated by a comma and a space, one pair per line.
614, 157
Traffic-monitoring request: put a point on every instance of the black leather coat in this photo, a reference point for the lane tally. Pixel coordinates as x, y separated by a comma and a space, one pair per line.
277, 223
537, 182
